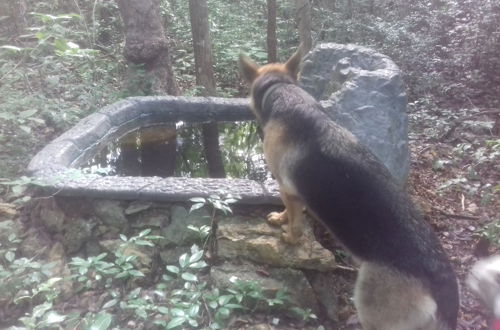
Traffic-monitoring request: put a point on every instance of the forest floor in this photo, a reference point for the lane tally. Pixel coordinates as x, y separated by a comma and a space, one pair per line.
455, 174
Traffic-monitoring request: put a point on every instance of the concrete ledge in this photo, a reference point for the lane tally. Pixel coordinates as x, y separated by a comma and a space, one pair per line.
56, 164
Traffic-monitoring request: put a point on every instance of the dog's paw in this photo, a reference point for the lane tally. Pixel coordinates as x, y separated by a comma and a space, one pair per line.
277, 218
289, 238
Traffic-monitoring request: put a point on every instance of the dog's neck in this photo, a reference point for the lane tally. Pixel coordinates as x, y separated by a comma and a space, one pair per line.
263, 88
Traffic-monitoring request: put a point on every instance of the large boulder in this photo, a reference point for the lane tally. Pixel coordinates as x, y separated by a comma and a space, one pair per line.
363, 91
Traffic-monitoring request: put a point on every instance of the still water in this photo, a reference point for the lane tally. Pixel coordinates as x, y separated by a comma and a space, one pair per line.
176, 149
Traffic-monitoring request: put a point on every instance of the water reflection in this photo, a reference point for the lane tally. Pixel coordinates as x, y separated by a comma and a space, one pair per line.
177, 150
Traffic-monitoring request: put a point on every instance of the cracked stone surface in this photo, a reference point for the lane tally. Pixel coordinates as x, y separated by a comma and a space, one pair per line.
363, 91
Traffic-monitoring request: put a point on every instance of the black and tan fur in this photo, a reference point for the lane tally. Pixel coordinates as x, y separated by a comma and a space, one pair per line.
405, 280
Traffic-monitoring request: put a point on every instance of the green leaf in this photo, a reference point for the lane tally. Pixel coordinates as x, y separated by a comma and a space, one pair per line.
53, 317
189, 277
223, 300
223, 312
10, 256
198, 200
193, 323
110, 303
136, 273
141, 313
183, 260
102, 321
144, 232
163, 310
196, 206
176, 321
12, 48
173, 269
193, 311
199, 264
39, 310
142, 242
196, 256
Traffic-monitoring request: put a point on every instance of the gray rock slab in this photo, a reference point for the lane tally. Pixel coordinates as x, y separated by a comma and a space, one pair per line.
363, 91
256, 240
111, 213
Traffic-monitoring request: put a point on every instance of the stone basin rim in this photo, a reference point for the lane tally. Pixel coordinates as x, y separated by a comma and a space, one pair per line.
55, 165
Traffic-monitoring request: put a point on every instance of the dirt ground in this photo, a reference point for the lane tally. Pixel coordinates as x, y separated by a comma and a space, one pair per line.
458, 212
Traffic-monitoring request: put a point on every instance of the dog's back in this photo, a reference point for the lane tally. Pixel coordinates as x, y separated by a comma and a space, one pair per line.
347, 189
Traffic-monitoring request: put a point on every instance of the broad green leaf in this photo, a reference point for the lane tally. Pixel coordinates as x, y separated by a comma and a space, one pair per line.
53, 317
163, 310
189, 277
223, 312
196, 206
142, 242
10, 256
136, 273
183, 260
196, 257
193, 311
25, 128
199, 264
110, 303
102, 321
173, 269
176, 321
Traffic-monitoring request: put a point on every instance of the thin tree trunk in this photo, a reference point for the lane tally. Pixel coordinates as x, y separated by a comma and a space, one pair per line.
350, 8
200, 28
146, 50
146, 47
304, 20
272, 43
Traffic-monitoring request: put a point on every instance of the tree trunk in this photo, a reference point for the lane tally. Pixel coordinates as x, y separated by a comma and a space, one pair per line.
146, 47
200, 28
304, 19
350, 9
272, 43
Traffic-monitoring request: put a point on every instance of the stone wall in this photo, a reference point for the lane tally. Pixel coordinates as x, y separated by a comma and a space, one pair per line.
247, 247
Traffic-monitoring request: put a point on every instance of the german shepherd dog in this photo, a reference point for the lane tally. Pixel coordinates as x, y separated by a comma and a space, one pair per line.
405, 279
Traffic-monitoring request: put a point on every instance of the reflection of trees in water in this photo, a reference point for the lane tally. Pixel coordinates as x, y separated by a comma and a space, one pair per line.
162, 150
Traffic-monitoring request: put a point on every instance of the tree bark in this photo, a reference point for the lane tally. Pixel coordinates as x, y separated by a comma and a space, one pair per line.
304, 20
146, 46
200, 29
272, 43
350, 9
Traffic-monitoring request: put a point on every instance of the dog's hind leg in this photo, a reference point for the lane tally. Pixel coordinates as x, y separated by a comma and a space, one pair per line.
389, 300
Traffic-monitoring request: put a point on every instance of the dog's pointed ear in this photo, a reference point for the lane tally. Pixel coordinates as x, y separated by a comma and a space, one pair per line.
293, 64
248, 68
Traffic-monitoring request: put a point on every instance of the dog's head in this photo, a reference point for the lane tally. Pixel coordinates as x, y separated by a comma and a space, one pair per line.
260, 77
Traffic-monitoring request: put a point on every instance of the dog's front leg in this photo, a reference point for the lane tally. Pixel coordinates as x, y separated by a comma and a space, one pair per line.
291, 217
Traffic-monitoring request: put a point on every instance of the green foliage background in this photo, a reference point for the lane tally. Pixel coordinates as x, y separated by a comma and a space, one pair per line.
60, 61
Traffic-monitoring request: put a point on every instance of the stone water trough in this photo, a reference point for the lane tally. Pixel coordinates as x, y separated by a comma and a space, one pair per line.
360, 88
